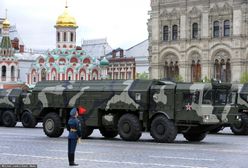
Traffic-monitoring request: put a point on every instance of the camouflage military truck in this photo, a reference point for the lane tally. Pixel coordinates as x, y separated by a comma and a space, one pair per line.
242, 101
11, 109
128, 107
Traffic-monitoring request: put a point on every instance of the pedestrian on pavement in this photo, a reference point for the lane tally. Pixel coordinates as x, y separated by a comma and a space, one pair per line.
74, 134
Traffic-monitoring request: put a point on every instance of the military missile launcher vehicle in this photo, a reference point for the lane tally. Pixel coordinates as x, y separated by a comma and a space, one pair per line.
129, 107
242, 101
11, 109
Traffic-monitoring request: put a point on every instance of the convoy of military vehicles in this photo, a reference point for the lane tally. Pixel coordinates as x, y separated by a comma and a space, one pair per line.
130, 107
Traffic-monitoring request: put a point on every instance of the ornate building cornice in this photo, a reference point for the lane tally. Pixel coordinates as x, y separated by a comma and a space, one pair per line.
194, 13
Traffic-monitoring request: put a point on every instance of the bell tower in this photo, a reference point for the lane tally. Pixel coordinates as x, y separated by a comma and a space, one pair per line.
8, 62
66, 30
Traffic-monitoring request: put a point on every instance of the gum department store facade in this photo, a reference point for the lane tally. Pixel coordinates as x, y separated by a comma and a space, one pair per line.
198, 39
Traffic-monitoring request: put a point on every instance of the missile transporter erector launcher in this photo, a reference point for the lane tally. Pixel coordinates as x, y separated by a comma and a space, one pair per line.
11, 109
129, 107
242, 101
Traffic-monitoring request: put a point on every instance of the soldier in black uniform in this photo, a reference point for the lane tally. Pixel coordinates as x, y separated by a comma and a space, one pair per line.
74, 133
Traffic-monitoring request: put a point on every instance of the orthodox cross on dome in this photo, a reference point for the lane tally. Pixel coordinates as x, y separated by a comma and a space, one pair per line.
6, 13
66, 4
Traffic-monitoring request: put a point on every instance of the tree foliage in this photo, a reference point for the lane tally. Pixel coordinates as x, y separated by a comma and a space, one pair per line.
179, 78
142, 75
244, 77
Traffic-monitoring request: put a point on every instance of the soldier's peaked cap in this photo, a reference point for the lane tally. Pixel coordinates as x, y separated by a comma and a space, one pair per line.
73, 111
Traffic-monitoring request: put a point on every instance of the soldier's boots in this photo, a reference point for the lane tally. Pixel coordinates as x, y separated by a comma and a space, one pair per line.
71, 157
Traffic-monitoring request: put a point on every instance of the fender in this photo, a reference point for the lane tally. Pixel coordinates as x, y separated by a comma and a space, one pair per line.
152, 114
26, 109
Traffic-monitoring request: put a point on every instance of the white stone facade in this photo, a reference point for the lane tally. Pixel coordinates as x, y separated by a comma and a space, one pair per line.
65, 37
197, 39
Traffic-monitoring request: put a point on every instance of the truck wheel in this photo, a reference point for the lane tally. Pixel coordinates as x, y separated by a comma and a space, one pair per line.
195, 137
52, 125
242, 128
28, 120
85, 131
129, 127
1, 122
108, 133
9, 119
163, 130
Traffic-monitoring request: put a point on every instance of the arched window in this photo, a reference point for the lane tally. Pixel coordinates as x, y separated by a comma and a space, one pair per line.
65, 36
228, 71
72, 37
166, 33
196, 71
4, 71
171, 70
58, 36
174, 32
222, 70
43, 74
12, 72
195, 31
216, 31
226, 28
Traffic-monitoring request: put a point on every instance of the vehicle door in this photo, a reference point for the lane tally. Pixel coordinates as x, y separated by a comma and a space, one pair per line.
224, 102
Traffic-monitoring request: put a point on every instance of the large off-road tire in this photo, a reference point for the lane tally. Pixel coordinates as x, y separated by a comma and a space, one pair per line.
52, 125
216, 130
9, 119
28, 120
242, 128
163, 130
1, 122
108, 133
194, 137
85, 131
129, 127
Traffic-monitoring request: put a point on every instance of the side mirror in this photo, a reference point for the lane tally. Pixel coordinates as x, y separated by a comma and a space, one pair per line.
196, 97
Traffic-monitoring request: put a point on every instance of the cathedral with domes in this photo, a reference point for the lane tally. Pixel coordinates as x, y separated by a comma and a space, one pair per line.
67, 61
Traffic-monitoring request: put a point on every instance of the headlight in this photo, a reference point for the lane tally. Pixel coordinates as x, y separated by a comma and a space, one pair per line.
238, 118
206, 117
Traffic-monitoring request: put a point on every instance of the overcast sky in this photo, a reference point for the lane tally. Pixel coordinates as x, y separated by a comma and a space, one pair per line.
122, 22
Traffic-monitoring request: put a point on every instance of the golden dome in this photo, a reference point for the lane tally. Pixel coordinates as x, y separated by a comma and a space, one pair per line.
6, 23
66, 20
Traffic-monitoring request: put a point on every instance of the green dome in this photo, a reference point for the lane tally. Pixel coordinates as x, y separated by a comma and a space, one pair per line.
104, 62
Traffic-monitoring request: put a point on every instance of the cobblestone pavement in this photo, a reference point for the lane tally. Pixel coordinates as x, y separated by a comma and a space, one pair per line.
30, 146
